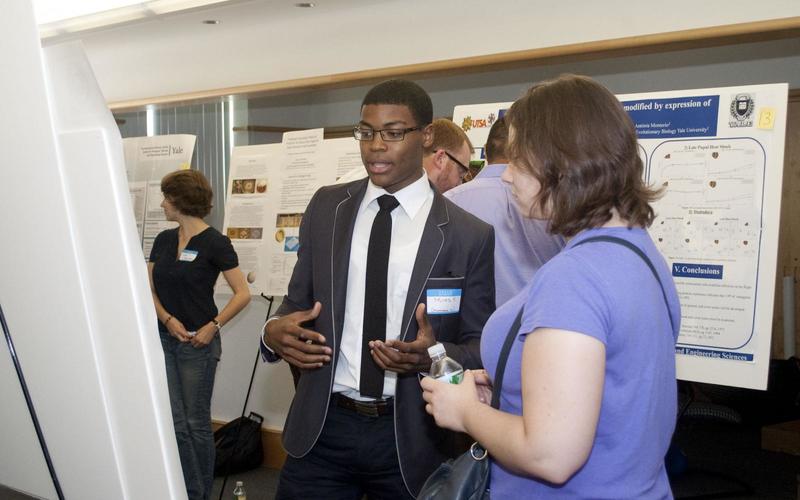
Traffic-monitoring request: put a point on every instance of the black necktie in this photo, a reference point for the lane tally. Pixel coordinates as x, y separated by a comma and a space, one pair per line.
380, 239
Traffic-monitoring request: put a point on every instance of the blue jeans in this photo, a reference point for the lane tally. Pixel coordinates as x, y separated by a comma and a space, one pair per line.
190, 378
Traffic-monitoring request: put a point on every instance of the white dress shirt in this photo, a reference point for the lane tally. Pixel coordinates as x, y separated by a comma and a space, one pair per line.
408, 222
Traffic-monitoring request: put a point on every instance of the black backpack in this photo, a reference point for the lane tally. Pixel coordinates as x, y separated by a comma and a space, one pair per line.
238, 445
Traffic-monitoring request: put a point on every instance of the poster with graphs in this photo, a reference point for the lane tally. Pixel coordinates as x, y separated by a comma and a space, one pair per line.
717, 156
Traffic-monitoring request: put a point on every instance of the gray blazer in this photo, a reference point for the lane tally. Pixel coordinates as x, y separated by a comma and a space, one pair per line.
456, 251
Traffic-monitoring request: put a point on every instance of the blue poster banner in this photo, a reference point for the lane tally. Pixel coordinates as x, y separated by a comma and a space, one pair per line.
694, 116
713, 353
709, 271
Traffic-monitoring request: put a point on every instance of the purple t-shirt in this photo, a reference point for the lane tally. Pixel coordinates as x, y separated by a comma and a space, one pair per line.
606, 291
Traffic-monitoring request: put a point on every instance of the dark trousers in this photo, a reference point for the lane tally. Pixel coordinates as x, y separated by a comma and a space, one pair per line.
355, 455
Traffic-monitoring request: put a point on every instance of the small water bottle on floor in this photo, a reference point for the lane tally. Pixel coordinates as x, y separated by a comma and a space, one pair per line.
443, 368
239, 493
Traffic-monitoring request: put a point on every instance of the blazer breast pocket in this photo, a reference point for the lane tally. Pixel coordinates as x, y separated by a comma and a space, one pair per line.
443, 305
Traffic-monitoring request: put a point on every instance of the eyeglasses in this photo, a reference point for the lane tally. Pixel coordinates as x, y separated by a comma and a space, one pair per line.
465, 172
387, 134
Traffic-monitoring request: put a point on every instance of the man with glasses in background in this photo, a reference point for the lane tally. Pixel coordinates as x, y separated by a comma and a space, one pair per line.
386, 268
446, 159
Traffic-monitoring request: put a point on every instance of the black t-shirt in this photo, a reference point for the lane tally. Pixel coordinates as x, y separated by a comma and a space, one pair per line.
185, 284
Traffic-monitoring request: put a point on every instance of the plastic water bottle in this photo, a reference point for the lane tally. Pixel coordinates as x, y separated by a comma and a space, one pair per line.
239, 493
444, 369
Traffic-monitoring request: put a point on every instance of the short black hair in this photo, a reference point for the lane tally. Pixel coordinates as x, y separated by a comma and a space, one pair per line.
497, 140
404, 93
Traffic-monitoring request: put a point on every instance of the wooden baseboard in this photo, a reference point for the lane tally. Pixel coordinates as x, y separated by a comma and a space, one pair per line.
274, 454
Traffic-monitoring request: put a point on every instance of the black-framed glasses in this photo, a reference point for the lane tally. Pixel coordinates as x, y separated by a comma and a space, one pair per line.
387, 134
465, 172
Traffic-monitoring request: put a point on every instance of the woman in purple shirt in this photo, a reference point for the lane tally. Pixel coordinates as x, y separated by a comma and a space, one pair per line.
588, 402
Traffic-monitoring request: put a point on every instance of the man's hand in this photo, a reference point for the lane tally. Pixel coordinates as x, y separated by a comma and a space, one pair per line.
299, 346
406, 357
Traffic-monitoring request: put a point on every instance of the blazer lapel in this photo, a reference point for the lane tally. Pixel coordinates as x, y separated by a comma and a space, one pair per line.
430, 246
343, 222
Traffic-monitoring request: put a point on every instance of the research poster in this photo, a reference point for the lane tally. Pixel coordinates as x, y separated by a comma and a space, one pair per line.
717, 157
147, 160
253, 182
717, 154
343, 156
476, 120
269, 189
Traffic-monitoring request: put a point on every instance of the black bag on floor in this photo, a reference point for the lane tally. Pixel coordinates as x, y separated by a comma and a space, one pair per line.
238, 445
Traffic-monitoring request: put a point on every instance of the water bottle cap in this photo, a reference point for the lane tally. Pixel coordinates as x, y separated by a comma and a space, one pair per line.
436, 350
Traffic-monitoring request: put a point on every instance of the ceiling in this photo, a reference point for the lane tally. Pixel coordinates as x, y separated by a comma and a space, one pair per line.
59, 17
259, 41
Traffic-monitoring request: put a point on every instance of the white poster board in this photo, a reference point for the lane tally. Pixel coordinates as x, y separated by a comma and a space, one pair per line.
74, 289
269, 189
718, 156
147, 160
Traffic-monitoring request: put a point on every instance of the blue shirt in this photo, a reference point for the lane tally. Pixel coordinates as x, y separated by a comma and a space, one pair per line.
605, 291
521, 245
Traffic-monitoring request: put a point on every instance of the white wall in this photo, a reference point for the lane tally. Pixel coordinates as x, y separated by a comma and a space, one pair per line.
268, 41
272, 389
754, 63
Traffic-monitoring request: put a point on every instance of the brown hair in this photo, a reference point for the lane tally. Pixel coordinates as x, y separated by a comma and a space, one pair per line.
448, 136
574, 137
189, 191
495, 149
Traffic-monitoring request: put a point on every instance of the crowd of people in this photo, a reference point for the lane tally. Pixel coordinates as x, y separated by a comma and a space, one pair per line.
401, 255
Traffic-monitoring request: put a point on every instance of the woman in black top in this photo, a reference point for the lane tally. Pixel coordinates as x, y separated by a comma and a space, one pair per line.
185, 263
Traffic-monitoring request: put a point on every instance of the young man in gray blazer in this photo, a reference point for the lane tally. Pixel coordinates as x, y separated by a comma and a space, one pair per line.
357, 332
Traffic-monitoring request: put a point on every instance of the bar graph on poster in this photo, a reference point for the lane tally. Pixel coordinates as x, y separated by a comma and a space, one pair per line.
717, 157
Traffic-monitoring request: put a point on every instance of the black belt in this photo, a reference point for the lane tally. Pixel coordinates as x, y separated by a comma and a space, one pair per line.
376, 408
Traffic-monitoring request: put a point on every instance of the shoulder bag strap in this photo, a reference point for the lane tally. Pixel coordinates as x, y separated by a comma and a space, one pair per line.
638, 251
501, 361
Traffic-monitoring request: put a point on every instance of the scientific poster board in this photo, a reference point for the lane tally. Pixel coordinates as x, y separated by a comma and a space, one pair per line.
476, 120
147, 160
269, 189
717, 154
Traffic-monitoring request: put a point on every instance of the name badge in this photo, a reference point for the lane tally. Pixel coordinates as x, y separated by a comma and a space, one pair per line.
444, 301
188, 256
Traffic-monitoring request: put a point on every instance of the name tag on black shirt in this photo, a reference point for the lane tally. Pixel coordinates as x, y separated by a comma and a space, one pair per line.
188, 256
